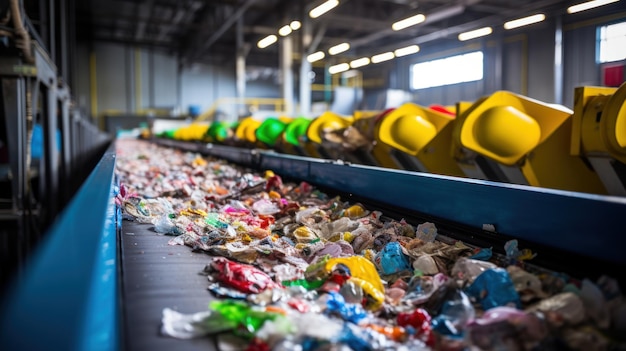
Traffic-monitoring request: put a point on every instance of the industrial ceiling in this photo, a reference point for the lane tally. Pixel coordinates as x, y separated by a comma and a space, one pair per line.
206, 31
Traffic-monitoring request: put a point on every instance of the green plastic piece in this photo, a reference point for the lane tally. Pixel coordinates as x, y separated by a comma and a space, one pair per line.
242, 316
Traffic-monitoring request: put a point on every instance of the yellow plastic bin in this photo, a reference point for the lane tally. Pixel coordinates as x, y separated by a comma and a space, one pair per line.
245, 132
322, 129
379, 154
421, 138
599, 133
472, 164
529, 141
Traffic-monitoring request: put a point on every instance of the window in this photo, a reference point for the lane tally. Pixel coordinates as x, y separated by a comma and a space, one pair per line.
612, 40
450, 70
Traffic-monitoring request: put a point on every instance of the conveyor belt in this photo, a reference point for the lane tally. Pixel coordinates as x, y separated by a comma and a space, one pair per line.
156, 275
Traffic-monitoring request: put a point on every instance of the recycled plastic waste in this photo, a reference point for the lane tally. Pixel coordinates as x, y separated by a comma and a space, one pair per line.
296, 269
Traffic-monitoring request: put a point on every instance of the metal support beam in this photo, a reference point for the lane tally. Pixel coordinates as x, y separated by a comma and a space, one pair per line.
305, 68
144, 12
15, 118
225, 26
286, 61
240, 67
558, 61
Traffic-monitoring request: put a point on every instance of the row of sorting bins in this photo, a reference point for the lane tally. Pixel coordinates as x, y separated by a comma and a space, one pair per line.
503, 137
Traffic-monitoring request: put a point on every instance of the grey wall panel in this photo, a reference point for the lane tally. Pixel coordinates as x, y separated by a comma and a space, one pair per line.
262, 89
165, 79
513, 70
580, 67
110, 77
541, 64
146, 81
197, 87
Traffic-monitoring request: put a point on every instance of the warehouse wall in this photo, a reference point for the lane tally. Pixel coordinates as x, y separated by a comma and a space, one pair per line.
128, 80
528, 64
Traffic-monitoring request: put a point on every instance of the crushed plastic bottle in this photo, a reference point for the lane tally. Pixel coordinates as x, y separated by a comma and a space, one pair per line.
426, 232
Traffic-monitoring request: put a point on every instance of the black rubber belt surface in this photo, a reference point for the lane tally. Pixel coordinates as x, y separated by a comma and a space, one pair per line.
156, 275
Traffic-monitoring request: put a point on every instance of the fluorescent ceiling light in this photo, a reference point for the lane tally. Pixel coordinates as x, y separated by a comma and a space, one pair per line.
338, 49
267, 41
408, 22
481, 32
407, 50
589, 5
385, 56
316, 56
363, 61
524, 21
342, 67
323, 8
295, 25
284, 30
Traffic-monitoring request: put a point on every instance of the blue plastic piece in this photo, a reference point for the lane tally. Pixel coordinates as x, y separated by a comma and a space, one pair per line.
483, 254
67, 298
493, 288
336, 304
391, 260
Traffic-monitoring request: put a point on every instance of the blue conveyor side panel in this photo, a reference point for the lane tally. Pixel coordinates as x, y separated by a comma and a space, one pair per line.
586, 224
67, 299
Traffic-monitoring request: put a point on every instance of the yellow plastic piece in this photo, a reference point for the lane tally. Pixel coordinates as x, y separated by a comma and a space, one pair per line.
423, 133
246, 129
363, 272
326, 121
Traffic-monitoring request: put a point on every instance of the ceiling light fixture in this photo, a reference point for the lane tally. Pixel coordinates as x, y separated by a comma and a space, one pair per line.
385, 56
323, 8
339, 48
295, 25
589, 5
284, 30
316, 56
407, 50
481, 32
363, 61
267, 41
408, 22
342, 67
524, 21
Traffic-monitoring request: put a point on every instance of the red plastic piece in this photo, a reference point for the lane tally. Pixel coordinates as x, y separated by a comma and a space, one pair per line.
243, 277
420, 321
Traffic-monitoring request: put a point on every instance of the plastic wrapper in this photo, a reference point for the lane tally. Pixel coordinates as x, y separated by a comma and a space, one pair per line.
426, 264
467, 269
244, 278
561, 309
452, 308
164, 225
188, 326
493, 288
527, 285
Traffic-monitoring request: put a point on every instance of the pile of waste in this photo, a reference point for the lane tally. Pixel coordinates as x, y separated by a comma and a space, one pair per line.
296, 269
